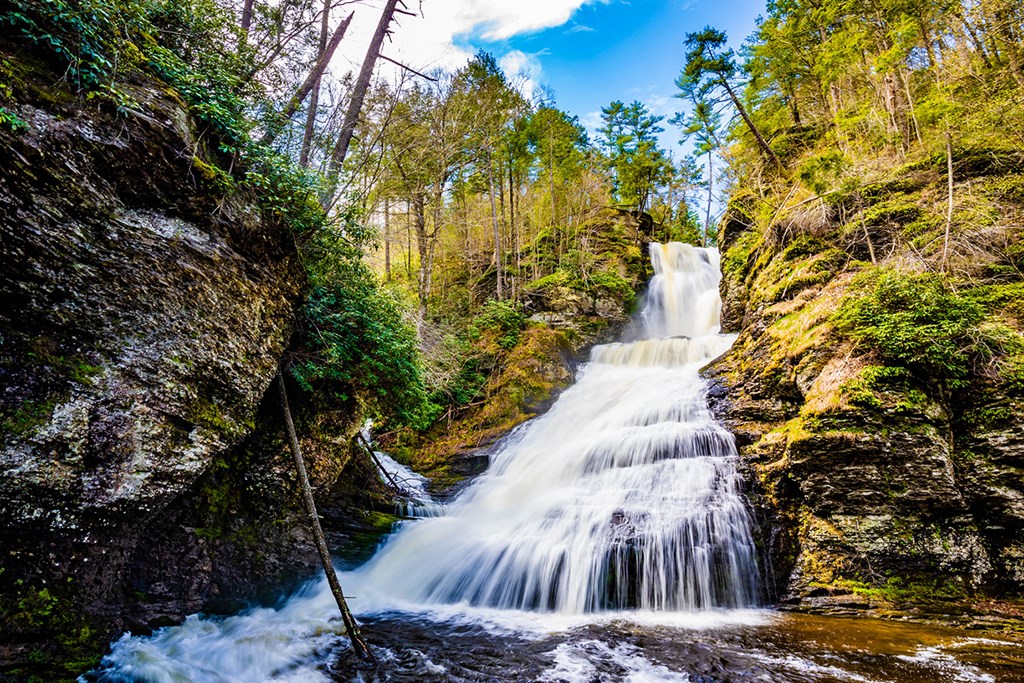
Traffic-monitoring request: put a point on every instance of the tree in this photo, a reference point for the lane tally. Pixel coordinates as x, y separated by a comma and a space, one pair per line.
638, 164
708, 68
703, 125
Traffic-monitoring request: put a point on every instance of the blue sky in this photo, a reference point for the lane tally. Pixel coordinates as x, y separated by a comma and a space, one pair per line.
589, 52
625, 50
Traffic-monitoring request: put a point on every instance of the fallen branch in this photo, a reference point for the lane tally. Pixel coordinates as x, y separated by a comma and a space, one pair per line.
318, 533
378, 463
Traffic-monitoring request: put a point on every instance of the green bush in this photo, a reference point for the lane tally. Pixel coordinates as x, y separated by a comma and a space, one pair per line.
505, 318
356, 341
915, 321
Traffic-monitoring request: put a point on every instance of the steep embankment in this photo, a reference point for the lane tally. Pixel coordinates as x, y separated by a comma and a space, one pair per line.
878, 404
144, 309
525, 356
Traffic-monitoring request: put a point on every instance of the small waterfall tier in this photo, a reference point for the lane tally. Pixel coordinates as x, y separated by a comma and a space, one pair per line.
624, 495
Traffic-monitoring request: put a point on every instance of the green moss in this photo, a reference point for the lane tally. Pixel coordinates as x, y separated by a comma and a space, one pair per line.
208, 414
28, 417
901, 183
792, 272
614, 285
212, 178
736, 260
74, 645
905, 592
359, 546
901, 211
1009, 188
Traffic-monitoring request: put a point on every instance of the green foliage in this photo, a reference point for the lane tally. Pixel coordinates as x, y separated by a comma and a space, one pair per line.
84, 35
11, 121
182, 42
74, 645
614, 284
638, 165
914, 321
505, 319
822, 172
360, 344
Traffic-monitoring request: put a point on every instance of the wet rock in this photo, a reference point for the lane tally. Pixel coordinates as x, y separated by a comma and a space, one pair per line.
863, 500
143, 315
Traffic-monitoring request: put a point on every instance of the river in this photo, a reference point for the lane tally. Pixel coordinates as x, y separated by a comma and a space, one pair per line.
609, 540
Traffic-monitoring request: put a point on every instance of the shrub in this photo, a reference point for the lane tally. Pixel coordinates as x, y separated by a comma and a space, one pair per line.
915, 321
505, 318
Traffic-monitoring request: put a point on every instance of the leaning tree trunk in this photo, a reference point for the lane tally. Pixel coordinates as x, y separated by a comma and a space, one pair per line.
355, 103
761, 142
314, 95
358, 644
311, 83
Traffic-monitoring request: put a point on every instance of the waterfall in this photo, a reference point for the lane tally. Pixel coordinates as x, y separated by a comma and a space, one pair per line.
623, 496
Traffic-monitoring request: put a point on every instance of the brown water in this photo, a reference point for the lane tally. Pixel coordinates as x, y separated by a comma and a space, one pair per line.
787, 648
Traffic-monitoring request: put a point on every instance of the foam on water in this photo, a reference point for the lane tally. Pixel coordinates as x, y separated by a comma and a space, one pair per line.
622, 502
623, 496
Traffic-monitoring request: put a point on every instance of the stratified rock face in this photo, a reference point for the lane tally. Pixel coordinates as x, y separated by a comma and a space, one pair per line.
143, 314
865, 498
596, 309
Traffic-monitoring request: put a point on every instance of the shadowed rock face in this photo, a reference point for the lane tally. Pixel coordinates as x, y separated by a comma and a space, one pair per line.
143, 313
902, 501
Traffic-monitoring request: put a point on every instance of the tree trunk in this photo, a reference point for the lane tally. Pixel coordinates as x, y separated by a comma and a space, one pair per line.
926, 37
246, 22
420, 221
979, 46
314, 96
949, 187
497, 229
355, 103
387, 240
408, 241
762, 143
513, 194
910, 104
318, 533
312, 80
707, 214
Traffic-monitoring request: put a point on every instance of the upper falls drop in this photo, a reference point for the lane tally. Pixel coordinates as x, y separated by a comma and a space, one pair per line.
623, 496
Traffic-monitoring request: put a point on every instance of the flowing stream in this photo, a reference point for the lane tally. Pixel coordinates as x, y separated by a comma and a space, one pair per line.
608, 541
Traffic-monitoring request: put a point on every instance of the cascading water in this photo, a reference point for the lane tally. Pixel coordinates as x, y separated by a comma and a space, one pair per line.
623, 496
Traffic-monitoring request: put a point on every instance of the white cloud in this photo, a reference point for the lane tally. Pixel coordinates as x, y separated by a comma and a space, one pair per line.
523, 70
440, 37
579, 28
501, 19
592, 121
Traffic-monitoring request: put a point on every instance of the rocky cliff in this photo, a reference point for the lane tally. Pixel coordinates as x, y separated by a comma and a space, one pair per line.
144, 309
528, 355
881, 480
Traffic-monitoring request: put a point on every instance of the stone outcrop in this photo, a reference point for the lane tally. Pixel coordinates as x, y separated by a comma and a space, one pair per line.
596, 309
145, 306
868, 495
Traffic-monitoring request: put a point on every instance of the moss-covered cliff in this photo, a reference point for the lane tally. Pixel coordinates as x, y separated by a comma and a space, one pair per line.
516, 359
146, 302
875, 384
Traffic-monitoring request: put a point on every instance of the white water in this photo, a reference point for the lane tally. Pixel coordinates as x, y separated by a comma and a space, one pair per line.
624, 496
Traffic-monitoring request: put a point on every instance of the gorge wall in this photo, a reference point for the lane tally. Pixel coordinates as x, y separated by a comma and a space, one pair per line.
879, 484
144, 310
